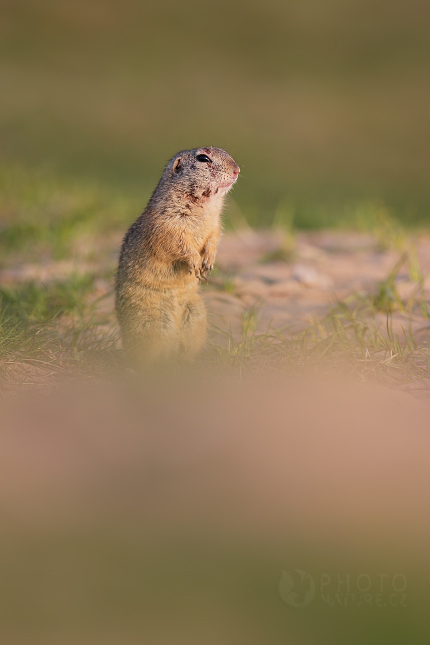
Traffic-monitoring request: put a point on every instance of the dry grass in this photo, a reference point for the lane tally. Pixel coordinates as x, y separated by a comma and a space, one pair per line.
349, 340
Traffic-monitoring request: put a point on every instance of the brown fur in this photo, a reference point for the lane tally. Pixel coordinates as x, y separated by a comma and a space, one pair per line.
165, 254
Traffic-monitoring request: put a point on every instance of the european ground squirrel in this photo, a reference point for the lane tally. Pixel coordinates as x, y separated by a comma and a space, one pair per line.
167, 252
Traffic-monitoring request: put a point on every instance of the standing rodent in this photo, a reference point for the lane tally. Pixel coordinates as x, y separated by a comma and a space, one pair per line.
166, 253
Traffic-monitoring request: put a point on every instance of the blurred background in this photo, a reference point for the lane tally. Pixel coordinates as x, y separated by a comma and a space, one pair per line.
324, 103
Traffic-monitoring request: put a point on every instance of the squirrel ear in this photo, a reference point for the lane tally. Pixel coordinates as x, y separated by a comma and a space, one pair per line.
177, 165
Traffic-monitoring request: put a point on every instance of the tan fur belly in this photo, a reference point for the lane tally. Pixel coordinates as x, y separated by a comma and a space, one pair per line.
161, 323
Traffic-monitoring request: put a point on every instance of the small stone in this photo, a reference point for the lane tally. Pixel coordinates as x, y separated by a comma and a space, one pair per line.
310, 277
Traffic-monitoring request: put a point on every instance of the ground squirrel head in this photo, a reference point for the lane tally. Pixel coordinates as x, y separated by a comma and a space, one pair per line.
200, 174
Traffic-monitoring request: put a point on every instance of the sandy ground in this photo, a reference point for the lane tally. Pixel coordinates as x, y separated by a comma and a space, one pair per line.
323, 268
326, 267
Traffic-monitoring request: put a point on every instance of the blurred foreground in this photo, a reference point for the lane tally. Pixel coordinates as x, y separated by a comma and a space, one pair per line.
192, 509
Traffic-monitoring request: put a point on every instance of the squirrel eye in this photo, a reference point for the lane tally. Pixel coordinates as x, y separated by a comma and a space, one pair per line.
203, 159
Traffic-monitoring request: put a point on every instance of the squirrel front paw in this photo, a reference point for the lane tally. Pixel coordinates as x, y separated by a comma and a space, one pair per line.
208, 260
195, 268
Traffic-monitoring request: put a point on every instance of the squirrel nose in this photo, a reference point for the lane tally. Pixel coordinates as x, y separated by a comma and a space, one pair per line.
236, 170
